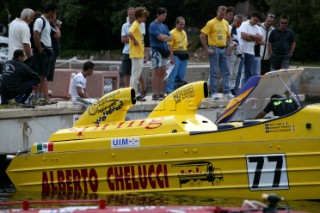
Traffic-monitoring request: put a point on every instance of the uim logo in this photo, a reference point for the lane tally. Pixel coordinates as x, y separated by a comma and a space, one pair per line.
125, 142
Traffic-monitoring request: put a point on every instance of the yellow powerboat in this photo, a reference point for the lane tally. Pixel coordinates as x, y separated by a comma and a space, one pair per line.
175, 150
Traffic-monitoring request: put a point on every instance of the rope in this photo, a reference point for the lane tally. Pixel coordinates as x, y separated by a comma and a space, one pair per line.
73, 60
294, 89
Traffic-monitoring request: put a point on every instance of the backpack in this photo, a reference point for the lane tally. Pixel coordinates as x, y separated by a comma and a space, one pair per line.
31, 30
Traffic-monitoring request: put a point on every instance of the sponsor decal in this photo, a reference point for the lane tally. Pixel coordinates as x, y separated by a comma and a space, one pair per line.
125, 142
108, 110
140, 177
104, 103
187, 92
45, 147
198, 172
78, 180
279, 127
119, 178
147, 124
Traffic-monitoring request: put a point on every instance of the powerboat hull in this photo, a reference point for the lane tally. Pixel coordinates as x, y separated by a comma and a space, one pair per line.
179, 153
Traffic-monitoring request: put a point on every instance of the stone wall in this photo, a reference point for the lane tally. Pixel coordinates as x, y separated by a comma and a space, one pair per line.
309, 84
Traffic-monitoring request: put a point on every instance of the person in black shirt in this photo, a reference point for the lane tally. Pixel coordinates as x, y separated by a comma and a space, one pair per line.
17, 79
281, 45
280, 106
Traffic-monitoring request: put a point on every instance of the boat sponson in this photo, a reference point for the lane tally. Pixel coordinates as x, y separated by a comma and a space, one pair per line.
112, 107
105, 119
182, 101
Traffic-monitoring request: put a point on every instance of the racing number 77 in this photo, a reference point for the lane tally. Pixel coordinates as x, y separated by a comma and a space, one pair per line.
265, 172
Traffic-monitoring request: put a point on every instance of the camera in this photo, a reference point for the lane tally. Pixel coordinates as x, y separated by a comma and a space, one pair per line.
58, 22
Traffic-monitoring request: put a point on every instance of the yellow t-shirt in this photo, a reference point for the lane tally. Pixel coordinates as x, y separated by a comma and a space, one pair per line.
179, 40
217, 32
136, 51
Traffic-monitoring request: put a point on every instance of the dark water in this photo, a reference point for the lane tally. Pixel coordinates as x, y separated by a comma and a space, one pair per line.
8, 193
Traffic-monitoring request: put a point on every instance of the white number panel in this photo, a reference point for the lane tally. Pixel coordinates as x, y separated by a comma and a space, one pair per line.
267, 172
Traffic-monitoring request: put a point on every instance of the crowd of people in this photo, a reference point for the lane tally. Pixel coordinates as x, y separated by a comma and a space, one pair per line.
166, 47
244, 49
236, 47
33, 47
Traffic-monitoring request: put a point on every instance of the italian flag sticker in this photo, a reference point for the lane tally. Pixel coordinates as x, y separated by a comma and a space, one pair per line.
45, 147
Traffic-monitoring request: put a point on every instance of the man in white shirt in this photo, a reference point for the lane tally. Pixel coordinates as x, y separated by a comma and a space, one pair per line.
43, 51
19, 33
266, 29
250, 34
126, 60
236, 52
79, 94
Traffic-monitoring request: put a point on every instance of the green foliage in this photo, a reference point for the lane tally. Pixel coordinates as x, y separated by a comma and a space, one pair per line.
71, 12
304, 20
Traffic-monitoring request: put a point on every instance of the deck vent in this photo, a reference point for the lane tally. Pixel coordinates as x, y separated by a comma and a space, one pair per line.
308, 125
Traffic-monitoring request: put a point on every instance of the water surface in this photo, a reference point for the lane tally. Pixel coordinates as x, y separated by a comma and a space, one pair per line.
8, 193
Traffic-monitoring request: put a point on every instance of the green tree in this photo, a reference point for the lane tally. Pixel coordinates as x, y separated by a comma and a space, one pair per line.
304, 20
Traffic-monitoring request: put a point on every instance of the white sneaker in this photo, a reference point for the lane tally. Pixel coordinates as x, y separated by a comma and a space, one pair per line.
214, 96
228, 96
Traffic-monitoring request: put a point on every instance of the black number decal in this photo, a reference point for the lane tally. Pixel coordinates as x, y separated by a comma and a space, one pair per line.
257, 173
277, 172
267, 172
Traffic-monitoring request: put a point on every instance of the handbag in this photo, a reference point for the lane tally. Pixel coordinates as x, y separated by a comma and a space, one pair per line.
164, 53
183, 55
31, 62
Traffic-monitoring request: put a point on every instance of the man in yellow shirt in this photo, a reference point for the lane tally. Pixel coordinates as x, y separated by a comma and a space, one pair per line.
213, 38
178, 54
136, 43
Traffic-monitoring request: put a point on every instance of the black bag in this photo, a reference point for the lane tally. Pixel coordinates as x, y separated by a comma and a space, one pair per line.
49, 51
183, 55
164, 53
179, 83
31, 62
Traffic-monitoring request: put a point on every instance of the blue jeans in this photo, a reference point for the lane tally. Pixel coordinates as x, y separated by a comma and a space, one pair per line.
248, 66
238, 79
256, 66
178, 72
280, 62
219, 60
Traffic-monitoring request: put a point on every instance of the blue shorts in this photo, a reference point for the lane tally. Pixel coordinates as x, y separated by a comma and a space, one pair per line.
157, 60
